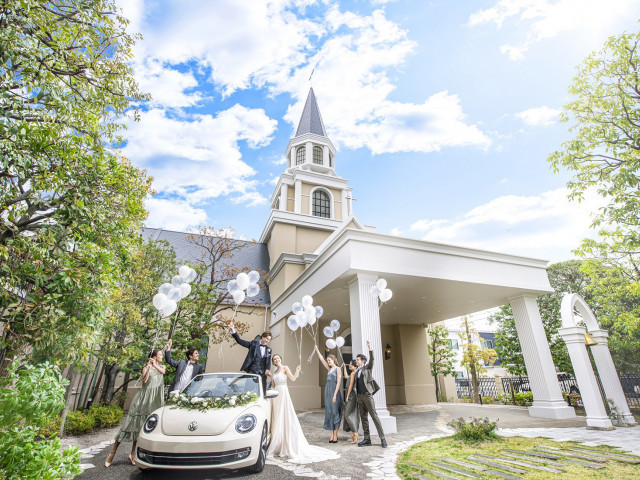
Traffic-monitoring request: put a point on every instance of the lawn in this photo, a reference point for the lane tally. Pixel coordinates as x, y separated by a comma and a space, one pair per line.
422, 454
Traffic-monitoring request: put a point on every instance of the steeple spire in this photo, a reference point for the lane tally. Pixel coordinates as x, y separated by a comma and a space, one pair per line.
311, 121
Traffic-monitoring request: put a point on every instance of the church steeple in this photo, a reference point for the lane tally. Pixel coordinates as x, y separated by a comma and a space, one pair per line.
311, 120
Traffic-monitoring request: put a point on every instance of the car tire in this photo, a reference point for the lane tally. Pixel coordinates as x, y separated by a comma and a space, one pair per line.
262, 457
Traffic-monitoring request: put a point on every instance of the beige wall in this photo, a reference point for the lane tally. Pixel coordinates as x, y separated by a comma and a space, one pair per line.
419, 386
282, 240
285, 277
308, 239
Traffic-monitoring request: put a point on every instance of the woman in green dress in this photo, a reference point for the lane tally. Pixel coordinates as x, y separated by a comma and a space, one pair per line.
149, 398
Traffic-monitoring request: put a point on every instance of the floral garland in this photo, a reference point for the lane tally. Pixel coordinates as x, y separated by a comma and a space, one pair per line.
182, 400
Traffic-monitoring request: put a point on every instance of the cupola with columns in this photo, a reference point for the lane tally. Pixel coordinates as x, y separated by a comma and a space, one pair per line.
309, 203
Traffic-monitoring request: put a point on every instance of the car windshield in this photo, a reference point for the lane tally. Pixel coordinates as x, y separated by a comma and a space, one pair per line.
221, 384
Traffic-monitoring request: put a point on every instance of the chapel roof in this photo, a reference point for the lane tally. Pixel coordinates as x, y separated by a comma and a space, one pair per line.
311, 121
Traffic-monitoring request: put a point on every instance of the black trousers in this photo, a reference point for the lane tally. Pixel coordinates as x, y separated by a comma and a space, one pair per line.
367, 405
264, 379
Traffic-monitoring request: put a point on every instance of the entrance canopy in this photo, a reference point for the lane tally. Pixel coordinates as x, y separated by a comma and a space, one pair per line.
430, 281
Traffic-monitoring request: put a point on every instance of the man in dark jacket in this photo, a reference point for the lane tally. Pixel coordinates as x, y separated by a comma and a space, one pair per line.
366, 387
258, 358
185, 369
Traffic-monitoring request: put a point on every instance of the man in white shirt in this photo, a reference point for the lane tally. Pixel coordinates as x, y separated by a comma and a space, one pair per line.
258, 358
185, 369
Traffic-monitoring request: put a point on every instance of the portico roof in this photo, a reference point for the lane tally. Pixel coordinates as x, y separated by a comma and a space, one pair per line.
430, 281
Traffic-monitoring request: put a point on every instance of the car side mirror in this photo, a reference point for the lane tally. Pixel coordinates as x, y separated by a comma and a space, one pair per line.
271, 394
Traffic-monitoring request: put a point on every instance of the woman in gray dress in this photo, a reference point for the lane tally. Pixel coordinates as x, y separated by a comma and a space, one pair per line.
351, 417
149, 398
332, 395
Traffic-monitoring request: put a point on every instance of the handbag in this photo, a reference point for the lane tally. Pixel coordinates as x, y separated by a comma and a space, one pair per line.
376, 387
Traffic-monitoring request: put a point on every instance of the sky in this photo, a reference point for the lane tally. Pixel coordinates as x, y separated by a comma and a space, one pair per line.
443, 112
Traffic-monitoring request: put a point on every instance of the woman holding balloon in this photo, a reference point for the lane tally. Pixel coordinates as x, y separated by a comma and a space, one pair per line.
332, 395
351, 415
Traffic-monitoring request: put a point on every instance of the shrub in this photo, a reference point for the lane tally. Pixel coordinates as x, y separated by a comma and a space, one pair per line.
488, 400
477, 430
79, 422
105, 415
29, 399
119, 399
524, 398
51, 428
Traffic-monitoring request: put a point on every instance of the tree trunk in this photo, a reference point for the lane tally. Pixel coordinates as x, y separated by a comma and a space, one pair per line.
472, 366
111, 372
67, 399
97, 386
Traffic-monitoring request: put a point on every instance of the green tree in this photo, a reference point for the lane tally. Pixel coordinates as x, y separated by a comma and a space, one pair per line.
474, 356
441, 356
564, 277
132, 322
70, 205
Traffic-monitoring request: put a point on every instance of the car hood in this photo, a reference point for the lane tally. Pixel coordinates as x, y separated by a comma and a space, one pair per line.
176, 421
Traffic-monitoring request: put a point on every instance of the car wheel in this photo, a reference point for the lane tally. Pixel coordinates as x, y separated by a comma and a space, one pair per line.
259, 465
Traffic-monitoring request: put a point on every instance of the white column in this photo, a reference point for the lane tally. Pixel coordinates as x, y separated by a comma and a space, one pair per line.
609, 375
292, 157
597, 418
284, 192
345, 207
297, 203
349, 204
365, 325
547, 397
325, 155
308, 153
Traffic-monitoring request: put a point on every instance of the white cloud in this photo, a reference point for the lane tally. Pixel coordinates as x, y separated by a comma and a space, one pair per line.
173, 215
197, 157
543, 19
543, 226
539, 116
166, 85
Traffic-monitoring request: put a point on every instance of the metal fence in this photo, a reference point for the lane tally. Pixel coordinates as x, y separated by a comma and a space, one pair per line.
631, 388
486, 387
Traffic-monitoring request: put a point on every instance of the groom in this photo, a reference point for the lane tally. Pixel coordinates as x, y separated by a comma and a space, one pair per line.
259, 357
366, 387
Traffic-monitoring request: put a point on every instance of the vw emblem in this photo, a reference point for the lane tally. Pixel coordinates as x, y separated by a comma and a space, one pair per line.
193, 426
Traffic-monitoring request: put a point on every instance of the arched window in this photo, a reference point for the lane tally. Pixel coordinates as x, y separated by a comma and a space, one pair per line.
300, 155
317, 155
330, 160
321, 204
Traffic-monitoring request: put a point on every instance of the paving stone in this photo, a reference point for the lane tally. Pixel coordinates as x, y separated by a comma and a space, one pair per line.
582, 457
497, 465
480, 468
466, 473
534, 454
531, 458
525, 464
605, 455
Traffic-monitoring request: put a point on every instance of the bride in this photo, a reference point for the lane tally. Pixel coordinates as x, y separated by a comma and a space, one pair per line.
287, 439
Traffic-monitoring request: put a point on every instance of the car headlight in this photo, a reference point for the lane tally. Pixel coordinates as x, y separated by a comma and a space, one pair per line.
246, 423
151, 423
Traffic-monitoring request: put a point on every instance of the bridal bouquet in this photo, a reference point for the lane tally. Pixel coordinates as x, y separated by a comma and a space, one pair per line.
182, 400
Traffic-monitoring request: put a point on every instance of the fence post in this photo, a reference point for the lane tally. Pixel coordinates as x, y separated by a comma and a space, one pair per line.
513, 394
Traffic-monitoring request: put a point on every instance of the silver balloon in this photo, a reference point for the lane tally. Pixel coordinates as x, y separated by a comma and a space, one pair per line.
232, 286
174, 294
192, 275
319, 311
254, 277
335, 324
292, 322
177, 280
253, 290
328, 332
297, 307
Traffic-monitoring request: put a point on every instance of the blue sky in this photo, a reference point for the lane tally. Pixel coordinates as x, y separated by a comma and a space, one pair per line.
444, 113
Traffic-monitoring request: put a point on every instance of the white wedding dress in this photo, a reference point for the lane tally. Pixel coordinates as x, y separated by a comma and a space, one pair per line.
287, 439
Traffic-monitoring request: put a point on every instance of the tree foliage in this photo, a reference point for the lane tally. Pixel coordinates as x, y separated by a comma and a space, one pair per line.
70, 204
441, 357
29, 398
474, 356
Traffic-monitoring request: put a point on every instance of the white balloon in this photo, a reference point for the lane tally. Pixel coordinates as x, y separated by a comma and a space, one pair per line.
319, 311
330, 343
184, 271
177, 280
232, 286
385, 295
374, 291
253, 290
174, 294
254, 277
302, 318
340, 342
238, 296
381, 284
335, 324
328, 332
297, 307
169, 308
304, 321
311, 320
307, 301
310, 311
159, 300
243, 281
192, 275
165, 288
185, 290
292, 322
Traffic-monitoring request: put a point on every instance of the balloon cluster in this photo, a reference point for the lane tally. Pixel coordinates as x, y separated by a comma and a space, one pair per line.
169, 294
304, 313
245, 285
329, 331
381, 291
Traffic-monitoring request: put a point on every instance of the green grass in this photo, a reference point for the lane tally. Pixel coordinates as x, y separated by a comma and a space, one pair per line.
423, 453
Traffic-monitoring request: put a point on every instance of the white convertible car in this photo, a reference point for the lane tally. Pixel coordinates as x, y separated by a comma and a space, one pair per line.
220, 420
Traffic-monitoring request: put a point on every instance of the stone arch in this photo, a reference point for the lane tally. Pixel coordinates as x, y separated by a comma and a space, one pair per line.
573, 301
